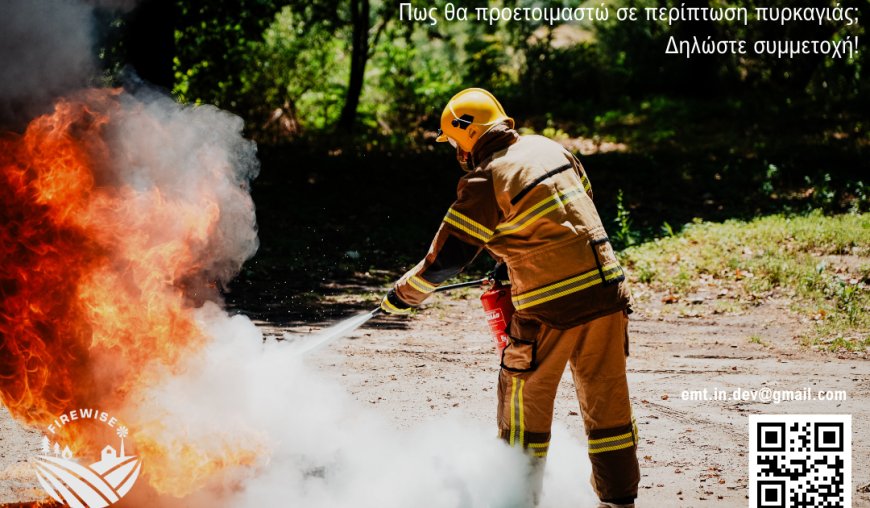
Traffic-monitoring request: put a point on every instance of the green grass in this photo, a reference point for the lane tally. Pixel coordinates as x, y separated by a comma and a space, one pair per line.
755, 339
822, 263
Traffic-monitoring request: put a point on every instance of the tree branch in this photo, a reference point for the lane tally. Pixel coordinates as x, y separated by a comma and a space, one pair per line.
388, 15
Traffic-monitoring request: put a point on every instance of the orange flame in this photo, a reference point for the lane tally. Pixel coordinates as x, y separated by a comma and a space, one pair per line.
94, 308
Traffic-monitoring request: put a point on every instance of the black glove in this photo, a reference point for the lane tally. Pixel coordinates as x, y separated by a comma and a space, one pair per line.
499, 274
392, 304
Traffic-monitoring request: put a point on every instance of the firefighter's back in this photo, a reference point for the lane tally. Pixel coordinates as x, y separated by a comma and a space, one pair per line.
562, 267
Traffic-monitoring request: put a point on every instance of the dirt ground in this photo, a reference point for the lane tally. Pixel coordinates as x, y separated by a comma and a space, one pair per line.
17, 445
692, 453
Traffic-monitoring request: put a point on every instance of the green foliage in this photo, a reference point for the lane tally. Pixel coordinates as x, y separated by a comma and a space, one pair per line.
214, 48
634, 54
284, 66
487, 62
625, 235
858, 197
822, 194
769, 186
299, 70
566, 79
756, 339
809, 258
408, 86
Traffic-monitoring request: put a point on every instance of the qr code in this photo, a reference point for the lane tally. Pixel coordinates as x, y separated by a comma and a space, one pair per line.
800, 461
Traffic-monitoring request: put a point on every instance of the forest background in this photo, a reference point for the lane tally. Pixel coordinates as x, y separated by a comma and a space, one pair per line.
344, 96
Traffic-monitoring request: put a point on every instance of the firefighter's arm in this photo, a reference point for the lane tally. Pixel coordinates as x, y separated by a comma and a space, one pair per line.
468, 225
578, 168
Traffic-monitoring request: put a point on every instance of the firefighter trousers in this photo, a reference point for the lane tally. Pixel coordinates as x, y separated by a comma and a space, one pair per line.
532, 367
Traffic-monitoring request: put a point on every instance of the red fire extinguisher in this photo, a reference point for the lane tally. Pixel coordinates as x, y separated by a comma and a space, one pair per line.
499, 309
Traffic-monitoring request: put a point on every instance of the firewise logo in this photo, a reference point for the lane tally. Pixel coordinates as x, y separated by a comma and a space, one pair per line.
74, 481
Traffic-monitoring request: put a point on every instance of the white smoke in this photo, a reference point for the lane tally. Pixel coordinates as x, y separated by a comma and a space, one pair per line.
314, 446
303, 439
322, 448
194, 155
45, 50
568, 469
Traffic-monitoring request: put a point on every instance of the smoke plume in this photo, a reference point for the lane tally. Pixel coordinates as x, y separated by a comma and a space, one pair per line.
46, 50
120, 214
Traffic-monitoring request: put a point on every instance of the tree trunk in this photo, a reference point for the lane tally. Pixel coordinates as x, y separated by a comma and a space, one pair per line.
359, 14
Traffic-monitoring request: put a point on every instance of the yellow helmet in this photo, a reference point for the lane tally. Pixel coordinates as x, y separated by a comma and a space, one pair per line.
468, 115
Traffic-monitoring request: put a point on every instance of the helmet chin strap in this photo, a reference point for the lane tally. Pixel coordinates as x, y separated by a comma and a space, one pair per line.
464, 159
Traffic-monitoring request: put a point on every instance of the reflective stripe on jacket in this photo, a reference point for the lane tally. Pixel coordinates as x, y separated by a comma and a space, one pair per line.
529, 204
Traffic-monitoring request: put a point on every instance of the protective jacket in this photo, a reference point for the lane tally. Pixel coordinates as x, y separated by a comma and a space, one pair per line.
528, 202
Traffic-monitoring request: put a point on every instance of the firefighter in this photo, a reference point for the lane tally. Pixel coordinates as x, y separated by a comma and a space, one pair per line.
527, 201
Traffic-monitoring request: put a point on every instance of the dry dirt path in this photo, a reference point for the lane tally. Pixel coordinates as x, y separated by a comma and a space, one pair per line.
17, 445
693, 453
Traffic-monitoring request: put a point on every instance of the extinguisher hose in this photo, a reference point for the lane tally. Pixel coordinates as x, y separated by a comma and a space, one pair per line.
355, 322
441, 289
458, 285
